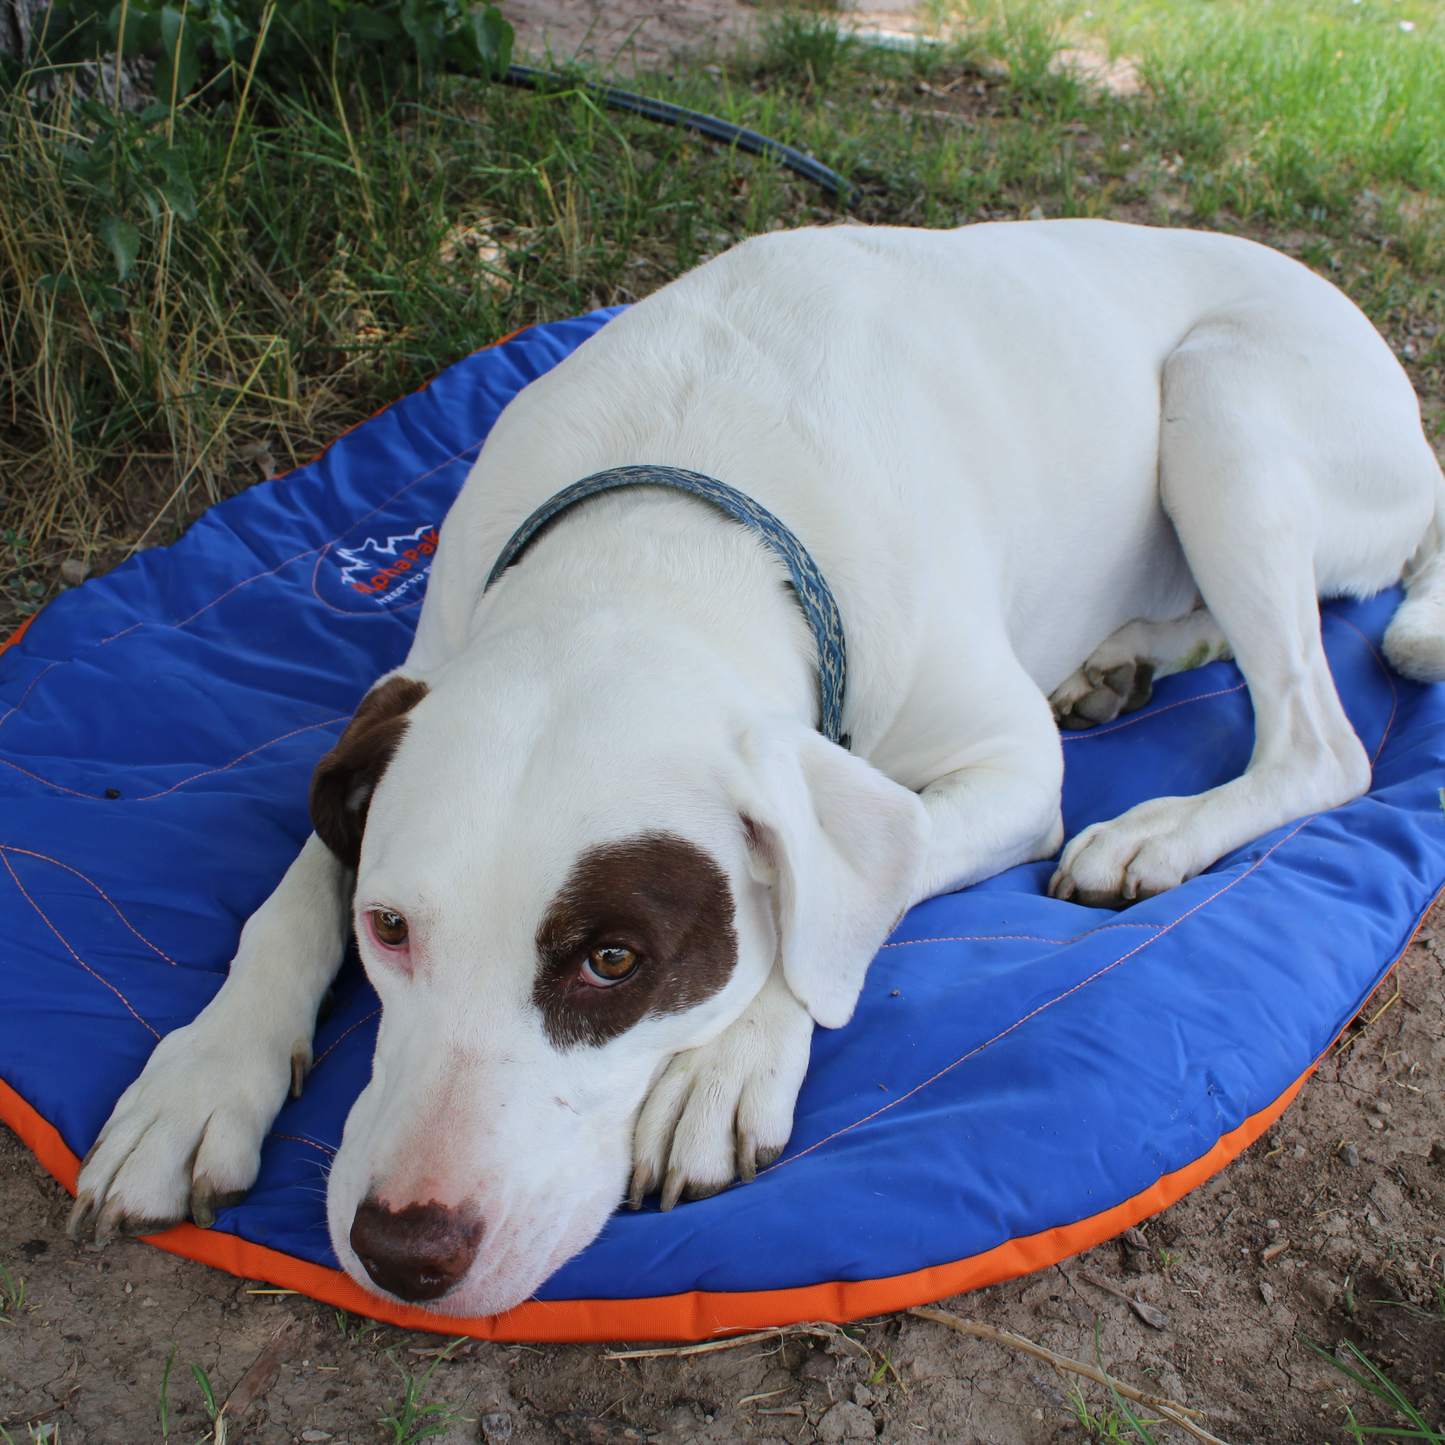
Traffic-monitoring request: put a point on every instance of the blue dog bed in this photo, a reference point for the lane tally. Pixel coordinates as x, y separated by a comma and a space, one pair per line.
1023, 1077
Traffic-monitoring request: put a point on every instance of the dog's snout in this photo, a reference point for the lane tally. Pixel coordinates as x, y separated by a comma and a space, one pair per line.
418, 1252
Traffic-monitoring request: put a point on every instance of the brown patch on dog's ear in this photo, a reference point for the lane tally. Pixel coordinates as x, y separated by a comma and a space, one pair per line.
346, 777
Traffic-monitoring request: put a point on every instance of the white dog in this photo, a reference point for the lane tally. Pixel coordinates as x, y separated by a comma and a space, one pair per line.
605, 873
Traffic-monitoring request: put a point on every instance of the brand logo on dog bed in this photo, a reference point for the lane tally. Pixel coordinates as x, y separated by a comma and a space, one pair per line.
390, 570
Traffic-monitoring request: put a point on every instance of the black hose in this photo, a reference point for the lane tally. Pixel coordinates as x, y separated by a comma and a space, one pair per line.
708, 125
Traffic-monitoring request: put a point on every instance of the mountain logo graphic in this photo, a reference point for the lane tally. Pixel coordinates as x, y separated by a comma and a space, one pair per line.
385, 570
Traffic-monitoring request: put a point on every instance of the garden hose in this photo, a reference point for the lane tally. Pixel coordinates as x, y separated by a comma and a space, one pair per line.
709, 125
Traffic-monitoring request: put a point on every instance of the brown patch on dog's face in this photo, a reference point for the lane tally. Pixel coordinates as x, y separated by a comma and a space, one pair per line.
346, 777
656, 897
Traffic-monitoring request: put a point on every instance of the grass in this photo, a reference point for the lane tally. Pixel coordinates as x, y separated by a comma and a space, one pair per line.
408, 1419
1377, 1383
217, 1432
12, 1294
1108, 1426
347, 245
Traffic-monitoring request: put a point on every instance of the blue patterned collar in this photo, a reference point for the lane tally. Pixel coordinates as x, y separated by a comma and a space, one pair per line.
814, 597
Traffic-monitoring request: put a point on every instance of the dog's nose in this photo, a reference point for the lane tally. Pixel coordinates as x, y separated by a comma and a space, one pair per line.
418, 1252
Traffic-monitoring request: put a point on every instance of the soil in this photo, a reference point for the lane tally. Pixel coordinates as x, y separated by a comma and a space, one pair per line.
1330, 1228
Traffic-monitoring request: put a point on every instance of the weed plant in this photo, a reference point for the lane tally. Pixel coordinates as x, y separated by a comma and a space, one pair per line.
408, 1420
297, 258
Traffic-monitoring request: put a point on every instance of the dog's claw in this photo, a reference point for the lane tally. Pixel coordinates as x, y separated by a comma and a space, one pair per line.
82, 1215
747, 1158
107, 1226
203, 1202
300, 1067
672, 1189
641, 1186
767, 1157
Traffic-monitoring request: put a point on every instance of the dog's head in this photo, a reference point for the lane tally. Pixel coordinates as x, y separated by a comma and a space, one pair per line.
554, 897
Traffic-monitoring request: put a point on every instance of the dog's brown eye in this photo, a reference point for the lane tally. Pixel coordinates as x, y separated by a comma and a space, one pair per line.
609, 965
389, 927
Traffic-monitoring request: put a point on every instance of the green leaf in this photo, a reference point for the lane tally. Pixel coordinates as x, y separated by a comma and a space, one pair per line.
494, 37
124, 242
371, 25
142, 28
425, 23
179, 67
181, 199
176, 164
57, 285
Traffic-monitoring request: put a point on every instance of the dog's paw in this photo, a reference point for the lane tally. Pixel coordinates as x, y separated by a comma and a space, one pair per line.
185, 1138
1140, 854
724, 1110
1101, 690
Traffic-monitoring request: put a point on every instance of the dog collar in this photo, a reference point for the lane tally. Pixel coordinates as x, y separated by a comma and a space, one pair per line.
813, 594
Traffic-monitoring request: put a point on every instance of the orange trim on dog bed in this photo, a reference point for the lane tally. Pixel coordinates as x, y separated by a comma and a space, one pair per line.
18, 633
697, 1315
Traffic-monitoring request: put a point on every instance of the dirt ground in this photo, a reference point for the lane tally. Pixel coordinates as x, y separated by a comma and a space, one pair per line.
1330, 1227
626, 35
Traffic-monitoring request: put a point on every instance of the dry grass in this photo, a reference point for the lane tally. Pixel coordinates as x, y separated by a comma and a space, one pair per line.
343, 249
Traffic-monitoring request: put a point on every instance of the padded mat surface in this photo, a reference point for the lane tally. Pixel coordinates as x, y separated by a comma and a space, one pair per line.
1021, 1076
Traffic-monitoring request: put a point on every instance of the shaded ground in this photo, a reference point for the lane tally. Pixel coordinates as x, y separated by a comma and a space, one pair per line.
1350, 1184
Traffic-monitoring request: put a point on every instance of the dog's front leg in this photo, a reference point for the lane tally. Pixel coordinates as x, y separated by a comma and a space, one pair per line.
998, 806
185, 1138
722, 1110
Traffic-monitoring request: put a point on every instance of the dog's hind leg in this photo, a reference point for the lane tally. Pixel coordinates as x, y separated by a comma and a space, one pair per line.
1415, 638
185, 1138
1119, 674
1288, 467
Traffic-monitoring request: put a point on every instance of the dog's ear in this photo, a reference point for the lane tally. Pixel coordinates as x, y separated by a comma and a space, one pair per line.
841, 846
346, 777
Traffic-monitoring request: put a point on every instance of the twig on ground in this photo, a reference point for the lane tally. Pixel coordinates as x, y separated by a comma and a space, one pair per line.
1173, 1412
814, 1327
702, 1349
1155, 1318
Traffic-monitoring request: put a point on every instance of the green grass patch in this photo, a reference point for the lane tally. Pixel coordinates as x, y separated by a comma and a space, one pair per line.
190, 302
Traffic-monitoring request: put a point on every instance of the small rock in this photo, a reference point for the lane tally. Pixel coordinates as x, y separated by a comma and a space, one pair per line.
846, 1421
1299, 1151
1266, 1292
1272, 1225
1377, 1123
73, 571
1134, 1238
1037, 214
1381, 1107
310, 1435
1351, 1156
499, 1427
863, 1396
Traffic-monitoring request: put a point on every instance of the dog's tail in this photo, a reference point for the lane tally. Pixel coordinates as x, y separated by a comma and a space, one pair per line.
1415, 638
